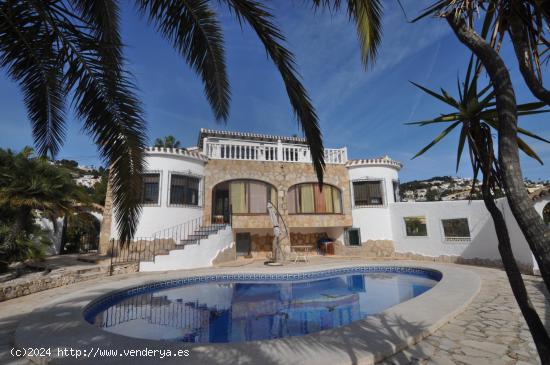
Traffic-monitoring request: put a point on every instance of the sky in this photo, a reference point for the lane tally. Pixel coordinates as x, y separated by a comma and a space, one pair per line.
363, 109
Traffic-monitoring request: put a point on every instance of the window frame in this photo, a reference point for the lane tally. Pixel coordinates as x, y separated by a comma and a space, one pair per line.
159, 197
188, 173
455, 239
396, 193
382, 182
403, 219
346, 236
314, 205
247, 190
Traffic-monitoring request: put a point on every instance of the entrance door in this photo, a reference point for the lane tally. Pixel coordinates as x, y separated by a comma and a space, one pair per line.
220, 213
243, 244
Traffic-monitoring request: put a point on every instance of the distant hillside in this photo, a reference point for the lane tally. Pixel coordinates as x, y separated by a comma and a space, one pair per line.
93, 180
448, 188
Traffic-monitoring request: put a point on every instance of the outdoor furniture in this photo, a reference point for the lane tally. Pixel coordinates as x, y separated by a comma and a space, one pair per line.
327, 247
301, 252
217, 219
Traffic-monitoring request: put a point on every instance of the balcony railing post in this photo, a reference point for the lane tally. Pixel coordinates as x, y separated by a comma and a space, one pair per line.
279, 150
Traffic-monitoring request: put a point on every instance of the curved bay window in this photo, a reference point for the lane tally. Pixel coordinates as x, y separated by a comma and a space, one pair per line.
243, 196
308, 198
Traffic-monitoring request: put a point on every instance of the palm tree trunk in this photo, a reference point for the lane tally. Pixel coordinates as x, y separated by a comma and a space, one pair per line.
512, 180
535, 231
518, 35
536, 327
21, 218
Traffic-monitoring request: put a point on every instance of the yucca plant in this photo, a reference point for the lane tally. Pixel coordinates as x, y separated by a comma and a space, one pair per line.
476, 114
482, 25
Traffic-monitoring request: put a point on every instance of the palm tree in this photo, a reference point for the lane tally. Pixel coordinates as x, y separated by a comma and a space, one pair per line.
29, 184
475, 113
56, 49
168, 142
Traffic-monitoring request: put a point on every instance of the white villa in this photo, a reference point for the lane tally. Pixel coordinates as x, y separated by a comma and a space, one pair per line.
207, 204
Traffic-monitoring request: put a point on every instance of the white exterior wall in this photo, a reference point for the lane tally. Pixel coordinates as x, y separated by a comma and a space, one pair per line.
161, 216
539, 206
193, 255
55, 233
483, 243
541, 203
374, 222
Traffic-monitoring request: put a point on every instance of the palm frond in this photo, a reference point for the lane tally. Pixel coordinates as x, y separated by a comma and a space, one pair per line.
450, 101
194, 30
442, 135
461, 142
367, 15
261, 21
104, 99
528, 150
28, 52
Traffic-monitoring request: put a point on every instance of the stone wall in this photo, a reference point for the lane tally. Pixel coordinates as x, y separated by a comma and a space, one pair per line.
281, 175
124, 268
370, 248
261, 245
304, 239
226, 255
40, 281
525, 269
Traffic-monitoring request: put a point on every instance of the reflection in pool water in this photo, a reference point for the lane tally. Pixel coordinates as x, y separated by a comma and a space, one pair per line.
239, 311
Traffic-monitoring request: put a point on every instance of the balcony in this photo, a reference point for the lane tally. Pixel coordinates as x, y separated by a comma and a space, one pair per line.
268, 151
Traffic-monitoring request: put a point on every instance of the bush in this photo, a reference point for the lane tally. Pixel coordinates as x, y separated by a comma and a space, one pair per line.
26, 246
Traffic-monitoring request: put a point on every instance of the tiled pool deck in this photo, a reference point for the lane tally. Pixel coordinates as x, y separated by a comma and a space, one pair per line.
490, 331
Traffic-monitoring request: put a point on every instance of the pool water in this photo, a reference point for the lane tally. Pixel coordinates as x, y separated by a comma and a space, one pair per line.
229, 311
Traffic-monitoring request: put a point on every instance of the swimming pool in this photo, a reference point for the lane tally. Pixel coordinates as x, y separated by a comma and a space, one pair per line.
229, 308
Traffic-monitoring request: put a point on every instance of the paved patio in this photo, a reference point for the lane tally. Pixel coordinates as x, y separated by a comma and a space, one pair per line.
490, 331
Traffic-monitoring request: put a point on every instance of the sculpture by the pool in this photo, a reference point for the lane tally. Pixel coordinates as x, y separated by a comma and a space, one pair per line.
221, 309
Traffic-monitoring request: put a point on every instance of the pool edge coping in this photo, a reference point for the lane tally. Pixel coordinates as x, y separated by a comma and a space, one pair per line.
436, 307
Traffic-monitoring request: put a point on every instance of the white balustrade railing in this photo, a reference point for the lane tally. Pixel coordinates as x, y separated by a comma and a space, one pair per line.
265, 151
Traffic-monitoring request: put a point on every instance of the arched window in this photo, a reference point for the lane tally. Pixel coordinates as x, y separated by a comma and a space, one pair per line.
242, 197
308, 198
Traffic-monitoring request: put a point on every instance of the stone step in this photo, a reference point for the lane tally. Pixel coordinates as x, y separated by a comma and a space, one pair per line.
207, 230
198, 236
94, 258
88, 270
92, 275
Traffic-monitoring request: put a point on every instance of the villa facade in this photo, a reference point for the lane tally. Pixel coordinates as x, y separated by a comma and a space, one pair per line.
227, 180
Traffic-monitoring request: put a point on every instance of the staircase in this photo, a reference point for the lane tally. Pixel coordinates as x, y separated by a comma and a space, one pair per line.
162, 242
188, 245
203, 232
197, 248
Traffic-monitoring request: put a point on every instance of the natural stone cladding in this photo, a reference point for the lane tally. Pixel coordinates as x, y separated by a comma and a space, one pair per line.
41, 281
282, 176
225, 255
261, 244
370, 248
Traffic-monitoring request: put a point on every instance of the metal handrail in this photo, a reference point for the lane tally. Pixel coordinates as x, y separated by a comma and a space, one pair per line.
164, 240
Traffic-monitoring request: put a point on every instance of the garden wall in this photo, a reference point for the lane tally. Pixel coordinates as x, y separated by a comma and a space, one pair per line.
481, 249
